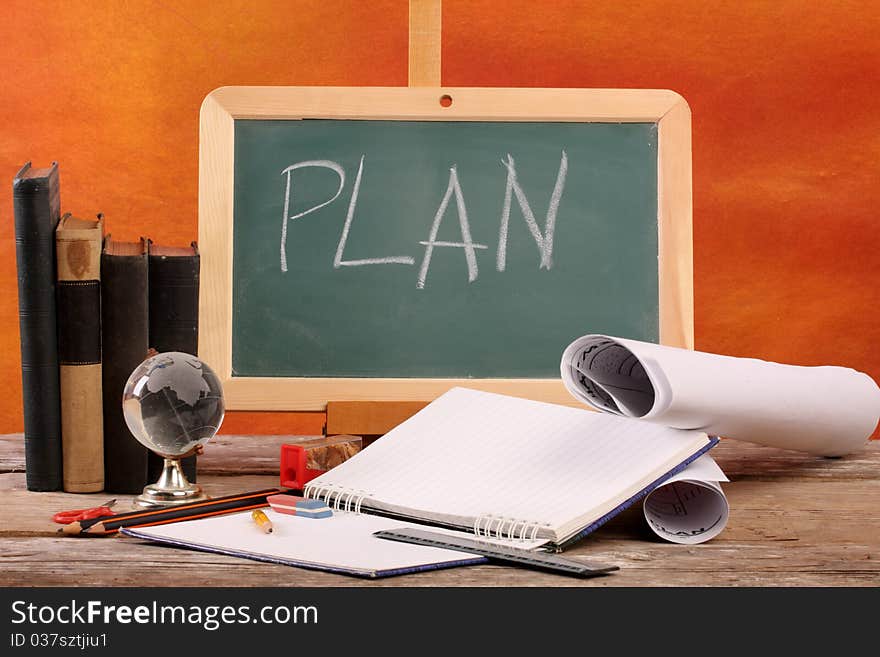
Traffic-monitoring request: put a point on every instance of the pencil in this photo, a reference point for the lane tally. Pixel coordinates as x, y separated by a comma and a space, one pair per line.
218, 506
262, 521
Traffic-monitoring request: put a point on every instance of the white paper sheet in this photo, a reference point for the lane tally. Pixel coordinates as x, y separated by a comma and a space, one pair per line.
829, 411
343, 542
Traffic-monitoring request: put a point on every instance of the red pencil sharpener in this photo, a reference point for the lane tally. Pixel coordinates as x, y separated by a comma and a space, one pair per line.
295, 472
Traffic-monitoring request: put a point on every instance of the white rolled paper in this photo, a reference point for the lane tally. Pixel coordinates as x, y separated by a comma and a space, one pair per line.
689, 507
829, 411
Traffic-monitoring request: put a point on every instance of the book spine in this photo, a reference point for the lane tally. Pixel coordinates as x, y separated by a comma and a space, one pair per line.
79, 354
174, 322
36, 204
124, 327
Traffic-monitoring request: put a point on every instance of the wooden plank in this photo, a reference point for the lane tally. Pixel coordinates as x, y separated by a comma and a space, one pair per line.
120, 561
740, 461
749, 523
368, 417
254, 454
260, 455
796, 520
223, 454
807, 512
12, 452
425, 27
422, 104
34, 513
303, 394
216, 178
675, 227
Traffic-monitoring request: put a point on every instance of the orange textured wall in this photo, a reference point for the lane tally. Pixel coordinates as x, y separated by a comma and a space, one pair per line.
786, 120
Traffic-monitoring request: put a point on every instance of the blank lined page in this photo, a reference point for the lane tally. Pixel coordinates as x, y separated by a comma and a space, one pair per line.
471, 454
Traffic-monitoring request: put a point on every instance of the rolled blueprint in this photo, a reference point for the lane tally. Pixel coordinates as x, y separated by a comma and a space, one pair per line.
829, 411
689, 507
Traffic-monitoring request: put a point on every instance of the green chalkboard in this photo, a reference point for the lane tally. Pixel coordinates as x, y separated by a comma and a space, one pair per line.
310, 297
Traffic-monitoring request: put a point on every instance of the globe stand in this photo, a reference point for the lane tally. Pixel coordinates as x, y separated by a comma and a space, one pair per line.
171, 489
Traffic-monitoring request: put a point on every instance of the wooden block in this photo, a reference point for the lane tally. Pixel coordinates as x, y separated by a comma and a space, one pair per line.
365, 418
327, 452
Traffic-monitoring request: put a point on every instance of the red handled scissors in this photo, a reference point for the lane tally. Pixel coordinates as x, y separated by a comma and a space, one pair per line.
67, 517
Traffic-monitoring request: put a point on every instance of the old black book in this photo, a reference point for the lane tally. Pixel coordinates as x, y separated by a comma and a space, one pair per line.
125, 333
37, 207
174, 315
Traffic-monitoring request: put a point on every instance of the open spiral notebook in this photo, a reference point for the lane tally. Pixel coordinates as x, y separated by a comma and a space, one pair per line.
506, 467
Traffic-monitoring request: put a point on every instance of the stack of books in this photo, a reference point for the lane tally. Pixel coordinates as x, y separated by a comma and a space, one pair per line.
90, 308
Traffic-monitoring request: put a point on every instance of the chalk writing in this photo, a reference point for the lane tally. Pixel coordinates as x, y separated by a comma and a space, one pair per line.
467, 243
340, 248
327, 164
513, 189
545, 241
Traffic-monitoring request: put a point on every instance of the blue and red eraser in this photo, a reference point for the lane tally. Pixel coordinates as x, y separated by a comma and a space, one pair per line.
299, 506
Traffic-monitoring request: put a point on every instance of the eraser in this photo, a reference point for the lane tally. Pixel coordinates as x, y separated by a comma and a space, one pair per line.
299, 506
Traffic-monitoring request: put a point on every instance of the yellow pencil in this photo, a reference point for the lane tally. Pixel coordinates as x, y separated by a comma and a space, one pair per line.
262, 521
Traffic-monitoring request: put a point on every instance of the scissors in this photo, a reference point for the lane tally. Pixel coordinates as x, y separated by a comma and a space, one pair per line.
67, 517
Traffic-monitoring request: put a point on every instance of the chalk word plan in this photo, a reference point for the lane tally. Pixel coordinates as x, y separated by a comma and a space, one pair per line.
513, 190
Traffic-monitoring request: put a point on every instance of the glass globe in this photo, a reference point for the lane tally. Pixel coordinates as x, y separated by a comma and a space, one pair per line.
173, 403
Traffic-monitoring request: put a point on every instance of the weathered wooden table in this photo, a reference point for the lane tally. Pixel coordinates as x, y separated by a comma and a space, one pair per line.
794, 520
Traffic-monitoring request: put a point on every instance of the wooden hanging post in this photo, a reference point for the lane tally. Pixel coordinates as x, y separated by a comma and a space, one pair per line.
424, 42
374, 418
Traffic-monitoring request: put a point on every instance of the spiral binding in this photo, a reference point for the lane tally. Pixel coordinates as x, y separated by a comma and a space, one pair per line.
340, 498
492, 526
337, 497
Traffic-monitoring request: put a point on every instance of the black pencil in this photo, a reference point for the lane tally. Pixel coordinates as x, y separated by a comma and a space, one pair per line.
217, 506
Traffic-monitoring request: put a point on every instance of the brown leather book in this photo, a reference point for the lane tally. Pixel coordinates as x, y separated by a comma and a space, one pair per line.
78, 253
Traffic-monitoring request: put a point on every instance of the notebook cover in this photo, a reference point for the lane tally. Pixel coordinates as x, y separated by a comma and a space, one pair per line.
471, 561
174, 320
36, 202
78, 259
124, 335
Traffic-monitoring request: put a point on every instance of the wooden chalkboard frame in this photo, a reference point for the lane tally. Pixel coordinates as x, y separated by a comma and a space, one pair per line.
222, 107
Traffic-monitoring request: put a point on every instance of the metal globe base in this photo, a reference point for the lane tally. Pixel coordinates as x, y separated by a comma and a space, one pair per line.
171, 489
